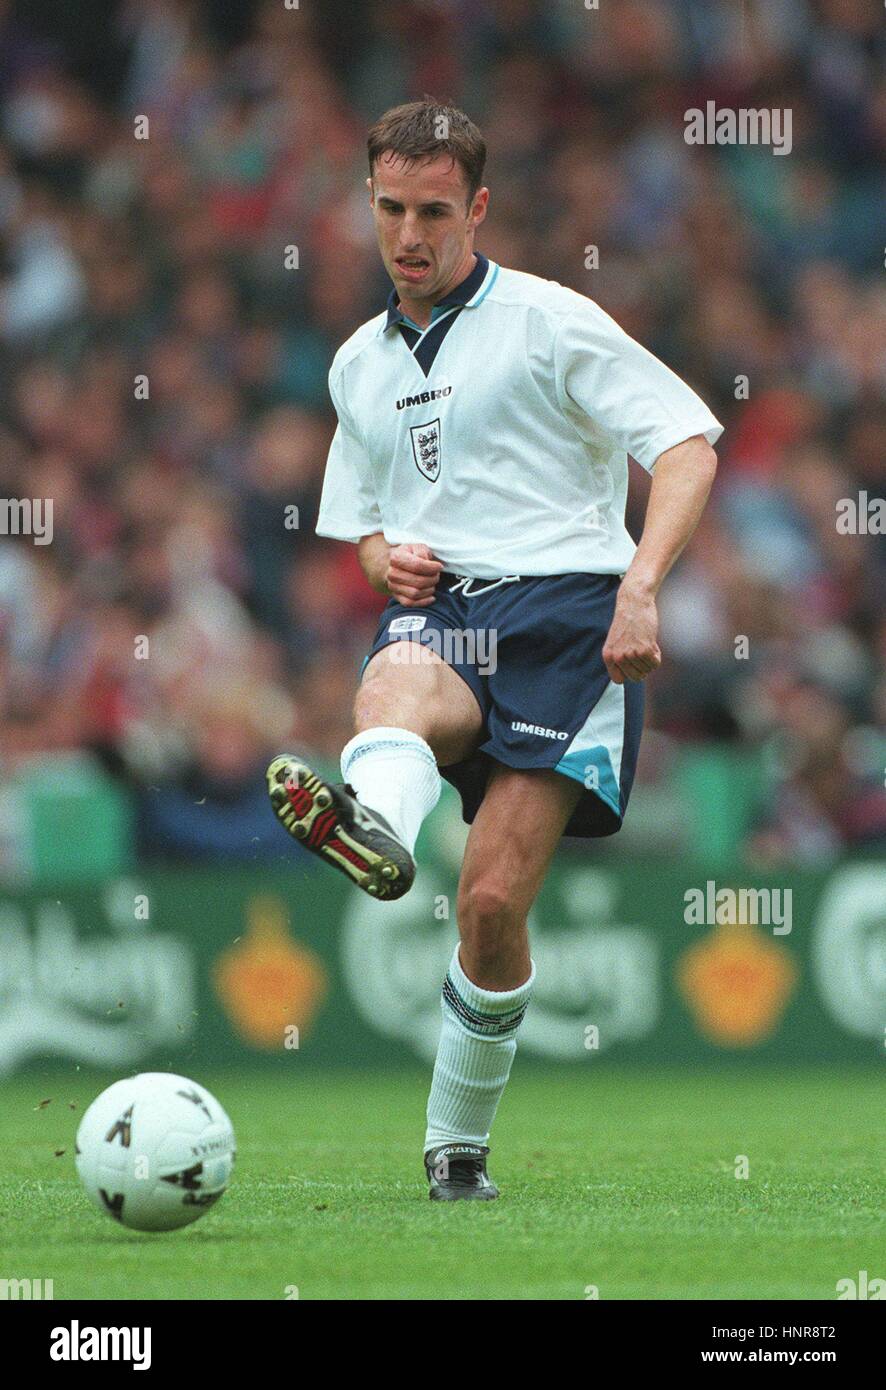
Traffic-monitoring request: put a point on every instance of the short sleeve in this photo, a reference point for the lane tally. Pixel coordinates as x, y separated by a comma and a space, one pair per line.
348, 506
625, 390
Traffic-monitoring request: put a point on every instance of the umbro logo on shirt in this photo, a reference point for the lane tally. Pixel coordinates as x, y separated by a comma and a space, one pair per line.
424, 398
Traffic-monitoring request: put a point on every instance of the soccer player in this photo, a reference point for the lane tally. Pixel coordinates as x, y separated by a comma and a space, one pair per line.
480, 467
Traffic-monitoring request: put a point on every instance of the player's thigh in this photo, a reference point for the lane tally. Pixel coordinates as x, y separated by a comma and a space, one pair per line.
512, 840
409, 686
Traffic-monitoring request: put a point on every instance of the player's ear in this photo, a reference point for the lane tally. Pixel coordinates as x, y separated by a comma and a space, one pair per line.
479, 206
371, 193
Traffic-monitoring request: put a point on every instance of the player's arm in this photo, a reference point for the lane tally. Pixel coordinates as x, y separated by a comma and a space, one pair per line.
408, 573
350, 511
680, 485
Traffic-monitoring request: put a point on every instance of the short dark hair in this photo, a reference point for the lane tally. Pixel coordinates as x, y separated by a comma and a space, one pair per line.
428, 128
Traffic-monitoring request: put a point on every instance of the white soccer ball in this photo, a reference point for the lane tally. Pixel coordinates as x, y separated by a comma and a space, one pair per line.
155, 1151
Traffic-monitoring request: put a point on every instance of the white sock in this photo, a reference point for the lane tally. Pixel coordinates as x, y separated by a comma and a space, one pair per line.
477, 1045
393, 772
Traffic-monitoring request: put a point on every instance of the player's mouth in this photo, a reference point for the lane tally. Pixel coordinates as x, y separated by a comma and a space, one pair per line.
413, 268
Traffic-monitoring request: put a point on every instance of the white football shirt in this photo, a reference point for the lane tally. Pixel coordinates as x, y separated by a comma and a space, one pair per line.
499, 435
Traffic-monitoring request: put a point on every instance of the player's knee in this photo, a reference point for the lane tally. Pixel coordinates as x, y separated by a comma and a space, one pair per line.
485, 907
488, 926
371, 706
379, 702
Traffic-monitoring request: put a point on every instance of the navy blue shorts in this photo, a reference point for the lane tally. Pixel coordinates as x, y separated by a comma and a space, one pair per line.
531, 650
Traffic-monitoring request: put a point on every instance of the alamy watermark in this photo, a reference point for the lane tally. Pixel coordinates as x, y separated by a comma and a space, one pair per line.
419, 645
28, 1289
861, 516
744, 126
27, 516
720, 907
78, 1343
864, 1287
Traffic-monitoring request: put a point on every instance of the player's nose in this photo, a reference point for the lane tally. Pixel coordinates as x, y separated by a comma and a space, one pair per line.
410, 235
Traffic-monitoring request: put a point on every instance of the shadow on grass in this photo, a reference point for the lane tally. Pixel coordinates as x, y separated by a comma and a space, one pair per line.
144, 1238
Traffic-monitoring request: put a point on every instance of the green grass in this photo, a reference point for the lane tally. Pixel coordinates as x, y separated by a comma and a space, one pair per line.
614, 1178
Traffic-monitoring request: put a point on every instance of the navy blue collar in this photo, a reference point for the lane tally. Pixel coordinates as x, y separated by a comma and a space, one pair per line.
462, 294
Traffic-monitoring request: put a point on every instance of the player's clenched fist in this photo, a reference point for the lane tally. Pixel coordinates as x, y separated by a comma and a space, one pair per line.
412, 575
631, 650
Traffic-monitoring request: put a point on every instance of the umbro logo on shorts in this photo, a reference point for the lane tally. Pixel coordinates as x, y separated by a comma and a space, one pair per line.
520, 728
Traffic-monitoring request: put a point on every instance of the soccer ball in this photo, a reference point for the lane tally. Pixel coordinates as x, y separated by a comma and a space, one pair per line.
155, 1151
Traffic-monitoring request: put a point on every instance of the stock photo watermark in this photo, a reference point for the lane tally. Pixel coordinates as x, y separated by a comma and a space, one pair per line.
27, 516
76, 1343
477, 647
26, 1290
719, 907
742, 126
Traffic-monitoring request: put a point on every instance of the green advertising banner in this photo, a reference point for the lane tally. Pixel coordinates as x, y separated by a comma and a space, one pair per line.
636, 961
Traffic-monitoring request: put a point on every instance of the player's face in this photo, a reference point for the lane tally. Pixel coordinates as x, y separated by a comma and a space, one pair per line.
424, 224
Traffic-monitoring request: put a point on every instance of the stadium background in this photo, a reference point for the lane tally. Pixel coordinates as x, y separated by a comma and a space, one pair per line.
162, 379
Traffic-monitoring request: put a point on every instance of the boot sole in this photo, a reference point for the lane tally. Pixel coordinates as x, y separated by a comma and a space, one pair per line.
319, 817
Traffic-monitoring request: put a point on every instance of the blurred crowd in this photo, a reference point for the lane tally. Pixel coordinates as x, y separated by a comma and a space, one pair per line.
172, 290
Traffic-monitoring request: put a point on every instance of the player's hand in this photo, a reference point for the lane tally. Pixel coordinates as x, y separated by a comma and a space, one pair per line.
412, 575
631, 649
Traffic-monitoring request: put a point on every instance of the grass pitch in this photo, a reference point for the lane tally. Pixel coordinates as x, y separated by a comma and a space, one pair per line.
612, 1179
